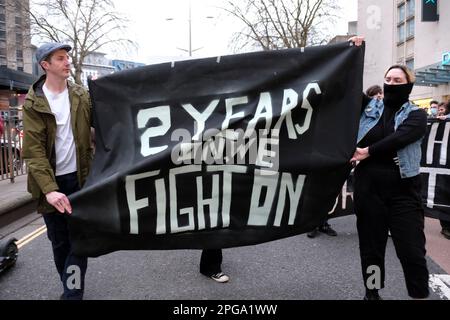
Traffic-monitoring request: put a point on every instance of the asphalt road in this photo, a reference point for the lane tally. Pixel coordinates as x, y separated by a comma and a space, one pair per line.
296, 268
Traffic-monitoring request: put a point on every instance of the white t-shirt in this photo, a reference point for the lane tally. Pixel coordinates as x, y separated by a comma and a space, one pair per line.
66, 160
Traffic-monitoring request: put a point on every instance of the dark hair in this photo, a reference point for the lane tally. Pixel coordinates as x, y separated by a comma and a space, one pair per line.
373, 90
47, 59
433, 102
410, 76
447, 107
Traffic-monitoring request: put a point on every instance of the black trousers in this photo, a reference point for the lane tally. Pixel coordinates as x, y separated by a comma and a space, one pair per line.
445, 224
211, 262
66, 262
384, 201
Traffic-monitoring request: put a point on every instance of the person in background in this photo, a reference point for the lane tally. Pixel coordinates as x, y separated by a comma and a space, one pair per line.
211, 265
387, 189
57, 149
433, 109
444, 114
443, 111
375, 92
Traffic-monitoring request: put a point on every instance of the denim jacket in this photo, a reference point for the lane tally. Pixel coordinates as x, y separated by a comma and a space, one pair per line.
409, 157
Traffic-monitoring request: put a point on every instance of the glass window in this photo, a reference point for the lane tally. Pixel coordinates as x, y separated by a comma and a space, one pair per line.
401, 33
2, 17
19, 54
411, 7
401, 13
19, 21
410, 28
19, 38
410, 64
2, 34
2, 52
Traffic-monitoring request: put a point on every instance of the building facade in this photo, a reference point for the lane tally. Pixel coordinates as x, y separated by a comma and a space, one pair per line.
15, 44
411, 32
15, 53
95, 65
120, 65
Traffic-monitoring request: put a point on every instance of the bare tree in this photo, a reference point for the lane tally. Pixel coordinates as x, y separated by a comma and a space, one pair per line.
87, 25
278, 24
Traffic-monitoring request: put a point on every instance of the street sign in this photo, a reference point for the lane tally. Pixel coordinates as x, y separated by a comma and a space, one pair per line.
430, 10
446, 58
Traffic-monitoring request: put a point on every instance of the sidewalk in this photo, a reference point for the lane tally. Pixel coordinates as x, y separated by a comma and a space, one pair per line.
438, 247
13, 195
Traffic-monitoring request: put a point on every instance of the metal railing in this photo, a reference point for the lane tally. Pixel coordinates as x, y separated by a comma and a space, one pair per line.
11, 162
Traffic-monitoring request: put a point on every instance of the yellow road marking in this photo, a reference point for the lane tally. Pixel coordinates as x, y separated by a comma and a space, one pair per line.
30, 237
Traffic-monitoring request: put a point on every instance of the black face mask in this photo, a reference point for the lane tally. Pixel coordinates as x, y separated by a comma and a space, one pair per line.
396, 95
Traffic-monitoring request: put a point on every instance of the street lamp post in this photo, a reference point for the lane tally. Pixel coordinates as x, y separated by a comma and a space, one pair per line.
190, 29
189, 51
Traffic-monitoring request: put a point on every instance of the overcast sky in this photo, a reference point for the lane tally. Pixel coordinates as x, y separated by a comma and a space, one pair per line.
159, 38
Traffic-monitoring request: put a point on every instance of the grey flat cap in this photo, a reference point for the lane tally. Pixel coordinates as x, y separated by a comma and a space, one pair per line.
46, 49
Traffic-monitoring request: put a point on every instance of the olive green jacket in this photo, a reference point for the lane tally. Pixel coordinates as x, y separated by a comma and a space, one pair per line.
39, 140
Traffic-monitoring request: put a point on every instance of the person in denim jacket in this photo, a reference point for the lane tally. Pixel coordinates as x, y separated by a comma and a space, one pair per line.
388, 186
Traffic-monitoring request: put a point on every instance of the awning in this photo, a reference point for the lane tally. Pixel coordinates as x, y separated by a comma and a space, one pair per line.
433, 75
15, 80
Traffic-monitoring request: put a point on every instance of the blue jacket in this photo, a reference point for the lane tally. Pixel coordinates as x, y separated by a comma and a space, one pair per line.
409, 157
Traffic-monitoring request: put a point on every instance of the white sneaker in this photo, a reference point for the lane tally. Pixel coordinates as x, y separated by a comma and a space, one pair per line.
220, 277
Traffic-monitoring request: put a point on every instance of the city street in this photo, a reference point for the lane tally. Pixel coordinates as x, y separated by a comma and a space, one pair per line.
296, 268
168, 124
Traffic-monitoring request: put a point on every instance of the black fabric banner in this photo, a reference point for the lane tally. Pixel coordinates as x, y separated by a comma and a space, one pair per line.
435, 170
219, 152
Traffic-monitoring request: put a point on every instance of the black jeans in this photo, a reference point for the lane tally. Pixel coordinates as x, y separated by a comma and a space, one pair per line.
211, 262
71, 268
384, 201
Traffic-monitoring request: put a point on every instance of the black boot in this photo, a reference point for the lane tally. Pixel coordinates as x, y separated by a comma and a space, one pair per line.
372, 295
313, 233
327, 229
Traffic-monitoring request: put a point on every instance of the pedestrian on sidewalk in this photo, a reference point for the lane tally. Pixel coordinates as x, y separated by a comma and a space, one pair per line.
57, 149
388, 186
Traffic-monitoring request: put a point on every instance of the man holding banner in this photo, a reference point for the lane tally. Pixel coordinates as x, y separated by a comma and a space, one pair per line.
57, 148
388, 186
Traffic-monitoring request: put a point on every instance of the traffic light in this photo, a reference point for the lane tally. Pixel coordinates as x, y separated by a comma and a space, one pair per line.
430, 10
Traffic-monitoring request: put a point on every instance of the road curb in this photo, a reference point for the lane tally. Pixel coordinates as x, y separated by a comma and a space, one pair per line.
14, 204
